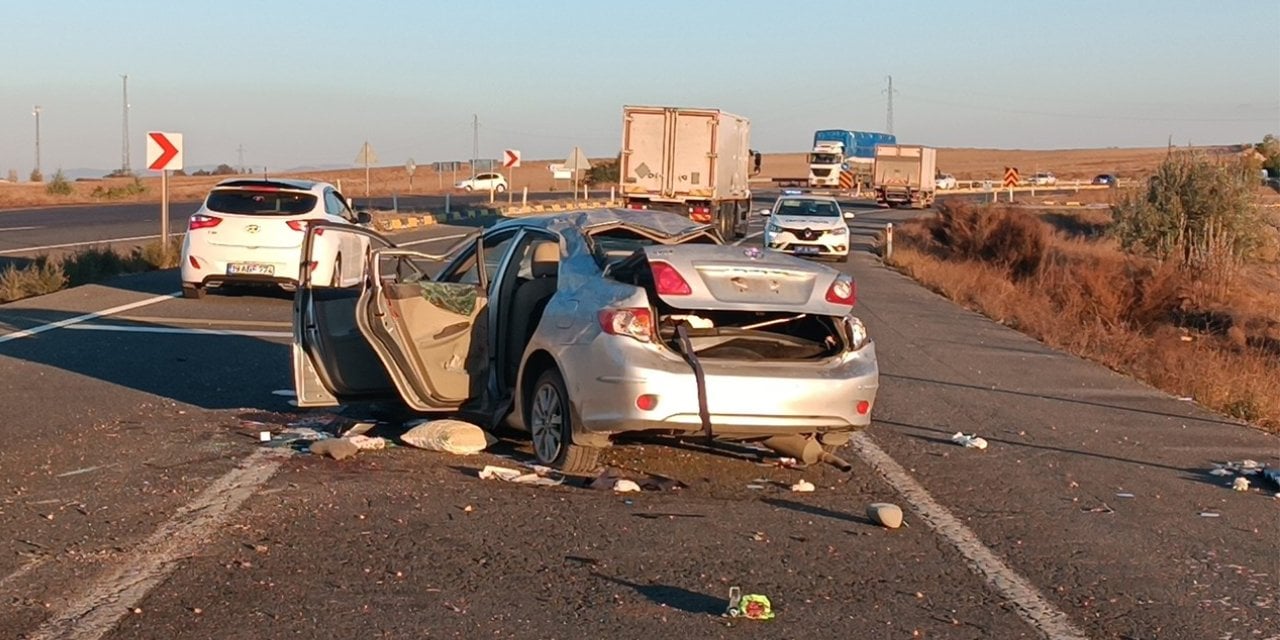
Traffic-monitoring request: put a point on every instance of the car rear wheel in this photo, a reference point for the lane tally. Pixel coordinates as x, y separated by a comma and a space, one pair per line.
193, 291
467, 188
500, 188
550, 422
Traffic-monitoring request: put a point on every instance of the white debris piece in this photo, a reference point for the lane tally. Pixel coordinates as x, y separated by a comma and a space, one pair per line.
538, 476
449, 436
804, 486
626, 486
366, 443
969, 442
1240, 484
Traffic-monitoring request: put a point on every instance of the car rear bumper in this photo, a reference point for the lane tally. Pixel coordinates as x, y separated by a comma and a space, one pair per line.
206, 264
745, 399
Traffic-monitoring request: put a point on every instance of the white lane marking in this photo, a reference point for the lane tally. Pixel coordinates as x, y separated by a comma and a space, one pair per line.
748, 237
78, 244
440, 239
93, 613
210, 321
2, 229
182, 331
1051, 622
286, 393
26, 333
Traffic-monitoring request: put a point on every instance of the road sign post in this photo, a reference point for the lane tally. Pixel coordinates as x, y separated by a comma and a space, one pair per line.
577, 162
510, 160
368, 158
1011, 180
164, 153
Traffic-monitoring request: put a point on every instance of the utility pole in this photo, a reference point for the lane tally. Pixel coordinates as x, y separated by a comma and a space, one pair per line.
125, 169
35, 111
475, 143
240, 155
888, 118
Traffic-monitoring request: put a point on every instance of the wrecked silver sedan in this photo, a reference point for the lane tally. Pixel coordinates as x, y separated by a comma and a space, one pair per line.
583, 326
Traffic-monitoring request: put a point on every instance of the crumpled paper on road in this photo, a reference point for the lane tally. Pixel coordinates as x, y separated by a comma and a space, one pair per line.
970, 441
538, 476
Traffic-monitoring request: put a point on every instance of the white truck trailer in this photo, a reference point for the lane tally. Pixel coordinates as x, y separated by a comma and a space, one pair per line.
696, 162
904, 175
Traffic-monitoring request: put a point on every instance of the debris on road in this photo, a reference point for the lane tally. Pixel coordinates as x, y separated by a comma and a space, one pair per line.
450, 436
359, 429
885, 514
264, 436
610, 479
336, 448
1243, 470
366, 443
969, 441
751, 606
804, 486
539, 476
1240, 484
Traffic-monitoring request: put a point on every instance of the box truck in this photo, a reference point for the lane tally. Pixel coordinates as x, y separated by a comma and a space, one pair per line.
695, 162
904, 175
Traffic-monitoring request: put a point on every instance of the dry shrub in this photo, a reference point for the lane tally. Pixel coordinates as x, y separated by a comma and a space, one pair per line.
45, 275
1135, 315
1002, 237
39, 277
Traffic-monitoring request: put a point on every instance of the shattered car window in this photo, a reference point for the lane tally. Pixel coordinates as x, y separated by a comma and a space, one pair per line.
454, 298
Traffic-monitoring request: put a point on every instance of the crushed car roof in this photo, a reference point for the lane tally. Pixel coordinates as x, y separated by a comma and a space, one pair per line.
659, 223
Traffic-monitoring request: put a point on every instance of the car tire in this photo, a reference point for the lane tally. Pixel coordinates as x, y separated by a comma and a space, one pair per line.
193, 291
500, 188
467, 188
549, 417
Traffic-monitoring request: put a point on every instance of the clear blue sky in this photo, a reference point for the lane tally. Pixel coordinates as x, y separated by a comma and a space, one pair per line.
307, 82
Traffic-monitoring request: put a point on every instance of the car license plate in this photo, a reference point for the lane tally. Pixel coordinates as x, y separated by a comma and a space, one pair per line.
250, 269
806, 250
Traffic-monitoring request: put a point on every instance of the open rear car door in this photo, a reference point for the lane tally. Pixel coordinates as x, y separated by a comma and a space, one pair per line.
398, 333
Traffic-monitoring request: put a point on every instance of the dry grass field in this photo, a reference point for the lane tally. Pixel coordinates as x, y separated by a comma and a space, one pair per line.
1057, 277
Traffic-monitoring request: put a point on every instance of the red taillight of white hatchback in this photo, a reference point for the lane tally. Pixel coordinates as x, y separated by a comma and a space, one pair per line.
633, 323
201, 221
301, 225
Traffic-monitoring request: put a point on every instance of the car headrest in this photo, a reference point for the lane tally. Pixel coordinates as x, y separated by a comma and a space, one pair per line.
546, 259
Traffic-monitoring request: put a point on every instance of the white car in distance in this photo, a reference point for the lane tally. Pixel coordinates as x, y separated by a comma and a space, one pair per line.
811, 226
945, 181
484, 182
250, 231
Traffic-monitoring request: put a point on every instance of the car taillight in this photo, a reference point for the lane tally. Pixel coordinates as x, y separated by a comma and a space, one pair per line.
638, 206
700, 214
633, 323
668, 281
201, 221
842, 291
301, 225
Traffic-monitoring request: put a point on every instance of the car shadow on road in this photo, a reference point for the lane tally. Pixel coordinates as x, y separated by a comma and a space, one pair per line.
809, 509
1027, 445
672, 597
1041, 396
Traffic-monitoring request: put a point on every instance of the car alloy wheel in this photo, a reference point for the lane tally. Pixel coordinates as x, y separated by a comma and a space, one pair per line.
551, 428
547, 422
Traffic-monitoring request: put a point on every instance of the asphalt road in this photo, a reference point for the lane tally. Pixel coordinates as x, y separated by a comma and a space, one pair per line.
28, 232
135, 502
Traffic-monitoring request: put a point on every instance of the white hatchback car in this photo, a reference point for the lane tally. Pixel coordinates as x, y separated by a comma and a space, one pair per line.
250, 231
808, 226
484, 182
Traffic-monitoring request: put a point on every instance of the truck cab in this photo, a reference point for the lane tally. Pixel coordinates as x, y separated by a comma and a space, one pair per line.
825, 163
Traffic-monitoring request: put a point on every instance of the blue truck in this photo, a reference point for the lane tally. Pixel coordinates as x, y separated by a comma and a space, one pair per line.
841, 151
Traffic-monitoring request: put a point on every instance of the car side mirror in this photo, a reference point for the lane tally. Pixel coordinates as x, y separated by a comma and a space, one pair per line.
364, 217
766, 212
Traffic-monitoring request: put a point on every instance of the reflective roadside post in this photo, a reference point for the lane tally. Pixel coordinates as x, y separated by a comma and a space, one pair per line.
888, 241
